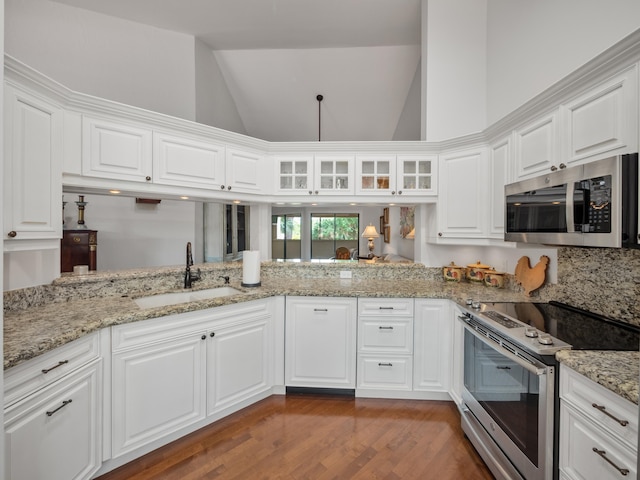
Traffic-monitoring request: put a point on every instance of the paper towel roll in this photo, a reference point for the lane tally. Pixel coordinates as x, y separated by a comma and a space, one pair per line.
251, 268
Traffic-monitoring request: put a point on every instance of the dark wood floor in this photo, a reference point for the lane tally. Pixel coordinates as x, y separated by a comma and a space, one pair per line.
320, 437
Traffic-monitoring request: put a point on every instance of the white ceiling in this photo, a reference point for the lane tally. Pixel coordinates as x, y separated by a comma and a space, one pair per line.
368, 85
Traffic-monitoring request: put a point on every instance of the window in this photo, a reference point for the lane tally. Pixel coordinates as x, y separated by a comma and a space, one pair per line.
236, 228
330, 231
286, 236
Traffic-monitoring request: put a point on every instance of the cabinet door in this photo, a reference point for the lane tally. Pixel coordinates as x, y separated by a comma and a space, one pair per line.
604, 121
499, 160
188, 162
116, 150
55, 434
432, 349
239, 363
462, 208
32, 169
245, 171
537, 147
417, 175
320, 342
157, 389
294, 175
376, 175
333, 174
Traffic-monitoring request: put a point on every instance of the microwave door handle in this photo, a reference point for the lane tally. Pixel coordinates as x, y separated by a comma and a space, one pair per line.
570, 207
502, 351
583, 188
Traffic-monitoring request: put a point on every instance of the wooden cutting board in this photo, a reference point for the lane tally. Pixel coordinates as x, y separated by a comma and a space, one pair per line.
531, 278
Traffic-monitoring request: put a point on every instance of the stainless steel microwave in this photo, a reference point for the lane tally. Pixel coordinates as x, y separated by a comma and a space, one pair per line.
590, 205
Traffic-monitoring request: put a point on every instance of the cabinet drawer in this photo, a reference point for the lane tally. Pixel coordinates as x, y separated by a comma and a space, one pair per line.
28, 377
385, 335
79, 238
388, 372
583, 393
578, 459
385, 306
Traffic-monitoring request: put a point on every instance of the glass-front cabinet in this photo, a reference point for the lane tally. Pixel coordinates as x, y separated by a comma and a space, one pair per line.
329, 174
333, 174
396, 174
294, 175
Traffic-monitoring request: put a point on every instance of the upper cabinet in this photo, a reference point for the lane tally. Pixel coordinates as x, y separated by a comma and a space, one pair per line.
32, 169
537, 146
396, 175
604, 120
309, 174
499, 156
115, 149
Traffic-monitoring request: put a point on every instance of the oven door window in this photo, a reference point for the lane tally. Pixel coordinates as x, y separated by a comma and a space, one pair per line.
541, 211
509, 393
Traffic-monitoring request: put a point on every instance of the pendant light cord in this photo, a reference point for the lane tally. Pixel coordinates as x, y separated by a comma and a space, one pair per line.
319, 98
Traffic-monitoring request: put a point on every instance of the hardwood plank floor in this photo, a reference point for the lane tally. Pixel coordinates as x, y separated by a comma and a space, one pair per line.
319, 437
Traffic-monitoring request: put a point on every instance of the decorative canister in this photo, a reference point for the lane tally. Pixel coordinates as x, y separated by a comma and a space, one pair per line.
475, 271
453, 273
493, 278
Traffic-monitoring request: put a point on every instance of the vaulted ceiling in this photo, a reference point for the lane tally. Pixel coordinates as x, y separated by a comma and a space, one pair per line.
277, 55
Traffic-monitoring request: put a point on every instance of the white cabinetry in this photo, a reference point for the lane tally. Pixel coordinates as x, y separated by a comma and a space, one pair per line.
114, 149
462, 210
396, 175
333, 174
385, 346
53, 414
603, 121
171, 373
499, 159
309, 174
294, 174
245, 171
33, 151
537, 146
432, 347
320, 342
598, 430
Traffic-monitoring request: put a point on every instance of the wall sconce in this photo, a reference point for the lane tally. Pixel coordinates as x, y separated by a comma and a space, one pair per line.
370, 233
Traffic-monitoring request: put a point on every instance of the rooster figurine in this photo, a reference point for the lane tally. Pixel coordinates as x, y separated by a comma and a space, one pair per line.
531, 278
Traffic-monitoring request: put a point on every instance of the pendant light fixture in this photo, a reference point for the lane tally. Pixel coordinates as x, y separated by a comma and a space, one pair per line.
319, 98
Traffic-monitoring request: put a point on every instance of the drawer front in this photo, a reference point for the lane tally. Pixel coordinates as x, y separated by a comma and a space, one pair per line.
385, 335
583, 393
578, 459
81, 239
388, 372
30, 376
385, 306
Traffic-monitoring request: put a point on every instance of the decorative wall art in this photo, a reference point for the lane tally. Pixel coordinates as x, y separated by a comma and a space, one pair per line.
385, 228
406, 220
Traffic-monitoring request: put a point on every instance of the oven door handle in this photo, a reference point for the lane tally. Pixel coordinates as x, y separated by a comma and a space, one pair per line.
531, 367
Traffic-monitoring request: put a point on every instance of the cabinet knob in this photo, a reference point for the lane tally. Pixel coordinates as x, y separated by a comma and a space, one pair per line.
12, 234
212, 334
393, 192
439, 234
147, 178
229, 187
562, 165
310, 192
316, 192
399, 192
203, 337
221, 187
553, 168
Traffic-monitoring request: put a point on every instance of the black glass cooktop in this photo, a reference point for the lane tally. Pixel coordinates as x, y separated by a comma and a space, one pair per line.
581, 329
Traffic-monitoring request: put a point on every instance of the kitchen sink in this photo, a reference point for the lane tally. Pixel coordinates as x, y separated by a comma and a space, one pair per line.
165, 299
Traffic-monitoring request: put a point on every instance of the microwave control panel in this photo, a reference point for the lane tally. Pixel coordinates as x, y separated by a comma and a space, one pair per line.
599, 207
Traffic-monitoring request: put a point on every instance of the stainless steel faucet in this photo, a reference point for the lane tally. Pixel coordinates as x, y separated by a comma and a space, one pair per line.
189, 276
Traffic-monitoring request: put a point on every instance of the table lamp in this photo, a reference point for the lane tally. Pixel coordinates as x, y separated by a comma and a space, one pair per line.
370, 233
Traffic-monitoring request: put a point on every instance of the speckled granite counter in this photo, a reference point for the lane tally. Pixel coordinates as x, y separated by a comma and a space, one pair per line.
616, 371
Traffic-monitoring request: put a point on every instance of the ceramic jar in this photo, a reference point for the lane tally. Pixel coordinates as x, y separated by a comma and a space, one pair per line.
475, 271
453, 273
493, 278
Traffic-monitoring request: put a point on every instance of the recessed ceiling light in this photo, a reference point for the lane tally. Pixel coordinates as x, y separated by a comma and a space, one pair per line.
236, 202
115, 192
184, 197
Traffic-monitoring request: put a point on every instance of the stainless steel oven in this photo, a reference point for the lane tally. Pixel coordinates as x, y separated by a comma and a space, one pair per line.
510, 379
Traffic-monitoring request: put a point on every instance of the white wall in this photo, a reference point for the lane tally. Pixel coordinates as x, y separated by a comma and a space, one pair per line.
214, 104
454, 59
134, 235
408, 127
104, 56
533, 44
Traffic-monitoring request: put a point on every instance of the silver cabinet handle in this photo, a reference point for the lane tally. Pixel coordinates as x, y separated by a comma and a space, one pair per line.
60, 363
603, 409
385, 308
385, 328
64, 404
320, 310
503, 368
603, 454
385, 364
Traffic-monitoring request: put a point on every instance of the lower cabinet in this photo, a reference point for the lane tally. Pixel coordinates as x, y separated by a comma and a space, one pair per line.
598, 430
320, 342
175, 372
433, 333
55, 434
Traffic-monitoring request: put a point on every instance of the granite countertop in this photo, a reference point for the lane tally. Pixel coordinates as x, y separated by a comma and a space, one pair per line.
32, 331
616, 371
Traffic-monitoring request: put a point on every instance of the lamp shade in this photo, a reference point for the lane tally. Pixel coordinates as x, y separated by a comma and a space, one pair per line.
370, 232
